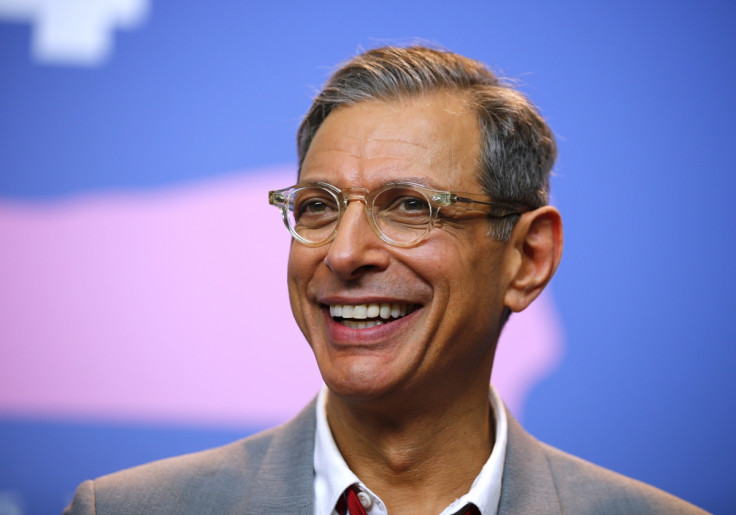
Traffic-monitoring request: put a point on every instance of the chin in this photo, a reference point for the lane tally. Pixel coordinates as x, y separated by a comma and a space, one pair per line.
361, 381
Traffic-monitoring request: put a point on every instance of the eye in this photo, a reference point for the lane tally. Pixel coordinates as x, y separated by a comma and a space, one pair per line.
406, 205
412, 204
313, 206
402, 205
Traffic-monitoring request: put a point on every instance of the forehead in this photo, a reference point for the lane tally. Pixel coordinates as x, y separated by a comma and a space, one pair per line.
433, 139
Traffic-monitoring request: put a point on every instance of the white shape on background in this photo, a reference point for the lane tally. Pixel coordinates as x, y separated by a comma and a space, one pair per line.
74, 32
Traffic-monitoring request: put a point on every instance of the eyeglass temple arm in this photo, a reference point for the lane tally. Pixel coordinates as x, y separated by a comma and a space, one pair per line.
449, 199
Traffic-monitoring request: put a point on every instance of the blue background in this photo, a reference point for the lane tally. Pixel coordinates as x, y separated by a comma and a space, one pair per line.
641, 97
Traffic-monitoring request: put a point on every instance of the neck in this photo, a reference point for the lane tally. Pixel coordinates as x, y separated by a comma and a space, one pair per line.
420, 459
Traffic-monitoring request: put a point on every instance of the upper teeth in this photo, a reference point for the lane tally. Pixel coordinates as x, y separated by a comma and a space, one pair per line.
384, 310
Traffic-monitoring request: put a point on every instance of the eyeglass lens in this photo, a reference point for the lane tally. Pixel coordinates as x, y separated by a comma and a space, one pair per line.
401, 213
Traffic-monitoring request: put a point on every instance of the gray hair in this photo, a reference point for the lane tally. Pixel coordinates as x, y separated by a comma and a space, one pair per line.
518, 149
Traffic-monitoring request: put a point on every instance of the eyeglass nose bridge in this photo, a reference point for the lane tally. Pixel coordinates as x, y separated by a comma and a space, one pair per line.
349, 195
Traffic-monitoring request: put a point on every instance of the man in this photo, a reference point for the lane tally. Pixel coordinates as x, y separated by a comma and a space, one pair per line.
419, 223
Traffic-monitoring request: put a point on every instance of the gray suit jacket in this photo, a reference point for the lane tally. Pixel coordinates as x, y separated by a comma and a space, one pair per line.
272, 473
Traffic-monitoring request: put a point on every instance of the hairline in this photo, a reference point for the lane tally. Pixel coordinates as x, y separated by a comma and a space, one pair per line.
509, 124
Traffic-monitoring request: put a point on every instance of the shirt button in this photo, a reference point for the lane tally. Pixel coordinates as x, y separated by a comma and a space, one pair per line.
365, 500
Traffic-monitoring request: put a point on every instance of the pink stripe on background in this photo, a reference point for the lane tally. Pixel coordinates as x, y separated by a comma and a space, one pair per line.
171, 305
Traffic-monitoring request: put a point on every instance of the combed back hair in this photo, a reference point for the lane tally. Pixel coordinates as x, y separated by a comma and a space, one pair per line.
518, 149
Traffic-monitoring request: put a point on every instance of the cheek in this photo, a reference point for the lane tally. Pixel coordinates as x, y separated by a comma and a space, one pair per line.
452, 266
301, 265
472, 274
300, 270
304, 267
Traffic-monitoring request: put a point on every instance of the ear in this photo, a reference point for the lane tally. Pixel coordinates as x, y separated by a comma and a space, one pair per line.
536, 247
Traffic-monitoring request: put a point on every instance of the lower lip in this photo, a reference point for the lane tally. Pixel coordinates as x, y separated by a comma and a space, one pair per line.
341, 335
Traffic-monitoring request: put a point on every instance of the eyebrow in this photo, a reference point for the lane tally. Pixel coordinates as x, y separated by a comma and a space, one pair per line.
422, 181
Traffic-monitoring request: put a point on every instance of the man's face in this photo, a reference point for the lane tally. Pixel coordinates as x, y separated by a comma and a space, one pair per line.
450, 286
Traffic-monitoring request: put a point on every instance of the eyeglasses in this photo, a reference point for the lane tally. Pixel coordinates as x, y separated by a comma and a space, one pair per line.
401, 214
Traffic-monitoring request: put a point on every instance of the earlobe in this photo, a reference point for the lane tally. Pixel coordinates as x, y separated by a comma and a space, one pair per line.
537, 244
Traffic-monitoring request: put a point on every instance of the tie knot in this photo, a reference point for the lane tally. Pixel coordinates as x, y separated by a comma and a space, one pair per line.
470, 509
353, 501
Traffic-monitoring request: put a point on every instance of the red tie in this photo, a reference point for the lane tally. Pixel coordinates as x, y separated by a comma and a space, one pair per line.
349, 501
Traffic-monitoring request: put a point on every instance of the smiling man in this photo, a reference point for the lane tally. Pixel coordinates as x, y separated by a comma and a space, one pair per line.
419, 223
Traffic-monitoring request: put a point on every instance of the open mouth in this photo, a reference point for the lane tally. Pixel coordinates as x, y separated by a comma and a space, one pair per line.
363, 316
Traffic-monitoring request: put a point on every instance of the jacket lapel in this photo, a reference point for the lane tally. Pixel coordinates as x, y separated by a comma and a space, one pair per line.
285, 477
285, 481
528, 484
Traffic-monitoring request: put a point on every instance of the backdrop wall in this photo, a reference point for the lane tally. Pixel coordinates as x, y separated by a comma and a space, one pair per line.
142, 293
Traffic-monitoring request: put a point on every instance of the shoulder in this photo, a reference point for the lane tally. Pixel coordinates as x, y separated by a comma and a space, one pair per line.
224, 465
538, 478
584, 487
220, 480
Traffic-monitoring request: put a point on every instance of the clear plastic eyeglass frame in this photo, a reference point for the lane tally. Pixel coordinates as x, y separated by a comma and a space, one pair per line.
422, 204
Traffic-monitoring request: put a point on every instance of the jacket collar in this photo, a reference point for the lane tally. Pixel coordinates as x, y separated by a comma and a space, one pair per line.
528, 483
285, 475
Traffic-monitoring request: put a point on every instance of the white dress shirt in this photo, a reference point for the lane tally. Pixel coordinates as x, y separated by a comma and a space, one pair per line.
332, 475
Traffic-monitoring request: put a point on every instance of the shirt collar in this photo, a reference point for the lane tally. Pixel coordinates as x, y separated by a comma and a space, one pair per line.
332, 475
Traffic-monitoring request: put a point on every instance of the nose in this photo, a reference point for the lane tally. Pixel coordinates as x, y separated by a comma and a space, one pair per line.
356, 249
